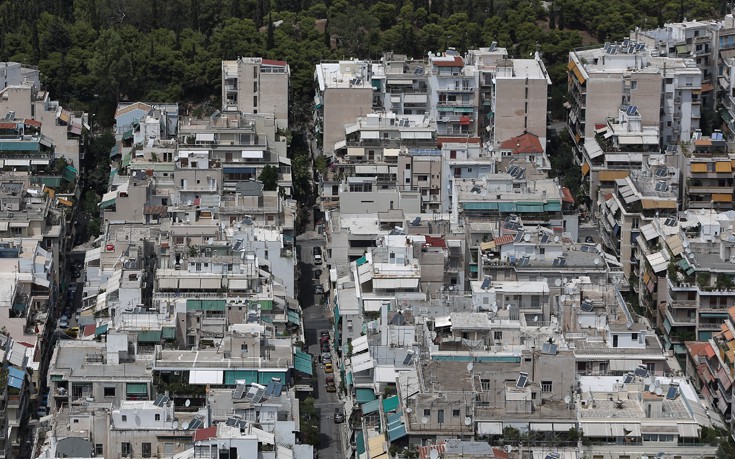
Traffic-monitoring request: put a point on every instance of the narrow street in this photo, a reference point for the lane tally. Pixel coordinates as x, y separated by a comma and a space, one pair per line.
316, 320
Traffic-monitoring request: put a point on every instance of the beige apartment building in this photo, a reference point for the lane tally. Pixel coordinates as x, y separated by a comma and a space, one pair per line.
256, 85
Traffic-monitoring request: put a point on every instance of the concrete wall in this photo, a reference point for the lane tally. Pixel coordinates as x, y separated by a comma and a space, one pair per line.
343, 106
516, 112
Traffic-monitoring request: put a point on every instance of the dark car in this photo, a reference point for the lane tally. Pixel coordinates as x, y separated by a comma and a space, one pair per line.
325, 347
317, 250
324, 339
319, 290
339, 416
324, 333
317, 273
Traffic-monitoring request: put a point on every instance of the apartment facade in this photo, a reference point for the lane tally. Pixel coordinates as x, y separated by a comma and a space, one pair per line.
256, 85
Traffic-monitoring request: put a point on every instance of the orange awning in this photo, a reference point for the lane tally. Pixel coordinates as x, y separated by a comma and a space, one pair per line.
656, 204
699, 167
609, 176
585, 169
723, 166
706, 87
721, 197
579, 75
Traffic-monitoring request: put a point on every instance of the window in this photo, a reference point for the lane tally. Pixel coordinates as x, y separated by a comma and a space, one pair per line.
485, 384
98, 449
109, 391
158, 417
546, 386
427, 412
634, 84
542, 250
255, 72
634, 336
498, 335
255, 101
124, 418
146, 450
453, 154
125, 449
255, 86
455, 413
440, 416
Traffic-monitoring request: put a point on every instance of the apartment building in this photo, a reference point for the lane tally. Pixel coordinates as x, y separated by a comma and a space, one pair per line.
256, 85
141, 123
453, 95
400, 85
709, 173
344, 92
15, 73
666, 91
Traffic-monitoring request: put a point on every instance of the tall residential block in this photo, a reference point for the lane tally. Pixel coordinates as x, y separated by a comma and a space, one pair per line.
256, 85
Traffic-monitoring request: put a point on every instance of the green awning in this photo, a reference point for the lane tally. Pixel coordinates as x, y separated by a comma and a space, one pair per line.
370, 407
390, 404
52, 182
474, 268
168, 332
725, 115
680, 349
108, 203
529, 208
553, 206
126, 159
149, 336
293, 317
715, 315
360, 442
303, 362
480, 205
361, 261
682, 49
336, 313
267, 319
507, 206
396, 427
101, 330
127, 134
206, 305
137, 388
266, 305
364, 395
348, 378
19, 307
69, 174
232, 376
264, 377
114, 151
57, 377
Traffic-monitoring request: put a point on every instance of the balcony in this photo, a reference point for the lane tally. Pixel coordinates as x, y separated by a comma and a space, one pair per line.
678, 320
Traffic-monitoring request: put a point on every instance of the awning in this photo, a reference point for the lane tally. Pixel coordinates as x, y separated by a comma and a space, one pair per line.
149, 336
542, 427
723, 166
293, 317
252, 154
136, 388
610, 176
490, 428
360, 443
390, 404
101, 330
168, 332
303, 362
247, 376
396, 427
203, 377
721, 197
699, 167
585, 169
364, 395
624, 365
205, 137
359, 345
682, 49
340, 145
596, 430
391, 152
370, 407
15, 377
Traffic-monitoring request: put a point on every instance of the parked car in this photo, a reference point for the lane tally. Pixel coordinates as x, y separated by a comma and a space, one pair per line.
326, 357
317, 255
324, 333
339, 416
63, 322
317, 273
331, 386
324, 339
328, 368
319, 290
325, 347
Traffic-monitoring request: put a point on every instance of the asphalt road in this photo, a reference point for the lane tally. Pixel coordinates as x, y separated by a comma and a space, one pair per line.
315, 320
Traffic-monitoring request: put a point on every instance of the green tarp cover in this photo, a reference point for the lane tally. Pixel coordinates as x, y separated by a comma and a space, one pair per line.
364, 395
370, 407
69, 174
168, 333
390, 404
361, 261
137, 388
205, 305
149, 336
552, 206
232, 376
53, 182
360, 442
266, 305
126, 159
264, 377
293, 317
303, 362
101, 330
108, 203
682, 49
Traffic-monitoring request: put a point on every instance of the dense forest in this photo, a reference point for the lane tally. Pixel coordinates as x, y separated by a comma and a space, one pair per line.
93, 53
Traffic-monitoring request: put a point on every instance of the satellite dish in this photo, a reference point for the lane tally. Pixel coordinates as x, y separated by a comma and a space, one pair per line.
507, 307
467, 420
526, 237
535, 318
557, 282
176, 425
434, 454
508, 448
424, 420
210, 241
470, 366
556, 238
596, 261
409, 410
137, 420
187, 403
564, 280
185, 425
495, 307
658, 391
546, 280
567, 399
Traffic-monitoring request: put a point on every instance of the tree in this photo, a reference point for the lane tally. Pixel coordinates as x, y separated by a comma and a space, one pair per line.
111, 65
269, 178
